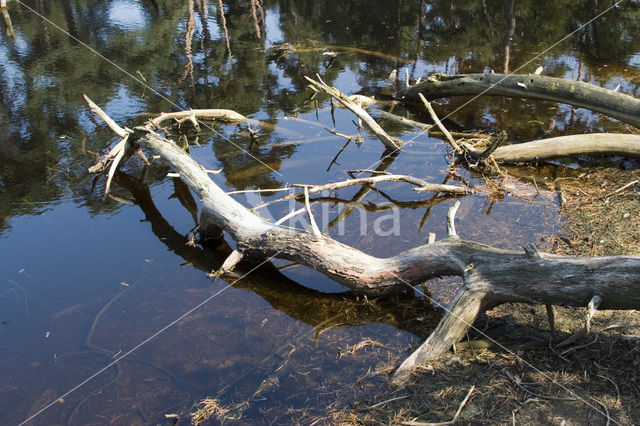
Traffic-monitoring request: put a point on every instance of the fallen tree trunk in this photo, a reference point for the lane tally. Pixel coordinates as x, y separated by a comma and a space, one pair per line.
491, 276
608, 102
587, 144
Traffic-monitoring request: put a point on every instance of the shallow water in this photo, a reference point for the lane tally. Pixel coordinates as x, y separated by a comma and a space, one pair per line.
84, 280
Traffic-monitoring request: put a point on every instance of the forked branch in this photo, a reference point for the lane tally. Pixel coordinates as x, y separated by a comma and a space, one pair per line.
491, 276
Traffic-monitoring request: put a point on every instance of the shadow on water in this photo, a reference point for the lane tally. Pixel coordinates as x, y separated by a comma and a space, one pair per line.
315, 308
83, 280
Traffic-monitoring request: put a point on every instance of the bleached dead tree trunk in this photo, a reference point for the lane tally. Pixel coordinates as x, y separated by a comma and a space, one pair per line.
491, 276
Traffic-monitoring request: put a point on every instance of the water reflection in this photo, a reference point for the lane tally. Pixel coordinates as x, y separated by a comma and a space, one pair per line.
309, 306
75, 247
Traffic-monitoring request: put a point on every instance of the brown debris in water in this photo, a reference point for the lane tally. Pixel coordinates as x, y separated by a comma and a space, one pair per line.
209, 407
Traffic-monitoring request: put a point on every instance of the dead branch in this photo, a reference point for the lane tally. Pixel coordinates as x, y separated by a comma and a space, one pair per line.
358, 110
608, 102
436, 120
588, 144
7, 20
422, 186
103, 115
193, 115
491, 276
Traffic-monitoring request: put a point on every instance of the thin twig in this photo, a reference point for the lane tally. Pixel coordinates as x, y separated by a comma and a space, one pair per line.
387, 141
614, 385
537, 395
389, 400
422, 185
312, 221
290, 215
444, 130
606, 410
103, 115
450, 422
622, 188
244, 191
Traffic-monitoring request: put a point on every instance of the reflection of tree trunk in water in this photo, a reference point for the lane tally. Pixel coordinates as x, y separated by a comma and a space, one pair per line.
257, 20
223, 21
254, 15
487, 16
71, 22
511, 29
188, 39
7, 20
572, 115
385, 162
595, 34
43, 23
420, 30
323, 310
202, 9
452, 15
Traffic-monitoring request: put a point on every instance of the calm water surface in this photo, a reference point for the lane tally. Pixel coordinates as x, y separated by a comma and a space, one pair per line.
84, 280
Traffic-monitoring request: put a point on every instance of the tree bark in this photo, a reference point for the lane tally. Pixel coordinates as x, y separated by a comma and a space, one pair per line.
587, 144
491, 276
608, 102
508, 276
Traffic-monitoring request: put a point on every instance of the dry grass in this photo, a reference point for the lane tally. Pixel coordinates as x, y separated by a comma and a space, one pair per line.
602, 212
208, 407
593, 380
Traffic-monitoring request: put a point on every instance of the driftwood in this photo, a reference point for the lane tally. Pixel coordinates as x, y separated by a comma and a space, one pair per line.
319, 310
608, 102
356, 106
587, 144
491, 276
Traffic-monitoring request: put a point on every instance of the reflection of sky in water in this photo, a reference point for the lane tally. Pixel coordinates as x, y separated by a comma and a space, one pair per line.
12, 78
124, 106
127, 15
347, 82
272, 23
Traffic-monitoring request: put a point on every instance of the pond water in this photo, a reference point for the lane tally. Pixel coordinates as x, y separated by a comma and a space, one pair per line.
84, 279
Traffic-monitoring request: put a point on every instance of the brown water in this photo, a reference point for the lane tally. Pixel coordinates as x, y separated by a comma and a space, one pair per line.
84, 280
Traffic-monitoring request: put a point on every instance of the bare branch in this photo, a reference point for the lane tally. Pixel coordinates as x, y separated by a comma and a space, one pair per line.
443, 129
387, 141
103, 115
